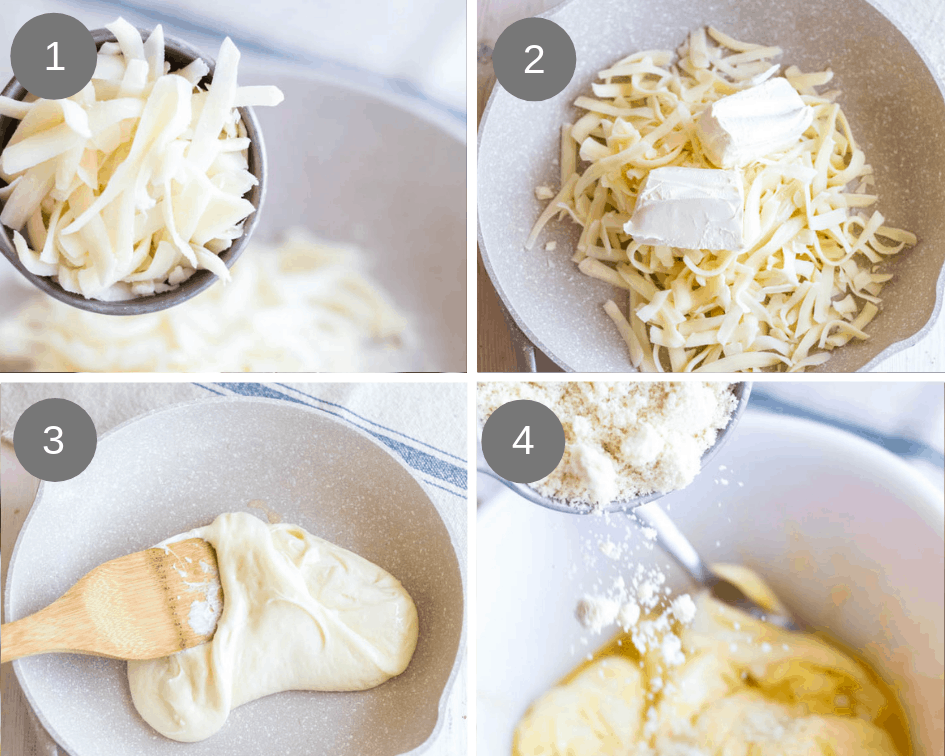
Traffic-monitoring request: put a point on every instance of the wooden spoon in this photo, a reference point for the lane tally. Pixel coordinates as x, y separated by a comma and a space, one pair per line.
142, 606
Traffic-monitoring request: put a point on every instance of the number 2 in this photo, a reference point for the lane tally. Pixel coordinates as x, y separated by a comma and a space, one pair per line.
540, 53
56, 67
55, 440
526, 431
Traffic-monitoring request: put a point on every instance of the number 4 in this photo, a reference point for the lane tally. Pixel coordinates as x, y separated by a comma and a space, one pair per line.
55, 58
528, 445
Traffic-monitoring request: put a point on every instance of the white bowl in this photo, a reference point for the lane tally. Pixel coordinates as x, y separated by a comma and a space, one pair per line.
818, 508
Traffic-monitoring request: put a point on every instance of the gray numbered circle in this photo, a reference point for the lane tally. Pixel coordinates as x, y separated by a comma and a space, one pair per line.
534, 59
523, 441
53, 56
55, 440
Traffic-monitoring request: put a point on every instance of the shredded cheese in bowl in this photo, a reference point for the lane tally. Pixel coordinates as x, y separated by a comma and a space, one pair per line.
302, 305
807, 278
130, 186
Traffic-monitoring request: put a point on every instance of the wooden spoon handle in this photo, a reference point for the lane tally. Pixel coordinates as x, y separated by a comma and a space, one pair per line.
22, 638
43, 632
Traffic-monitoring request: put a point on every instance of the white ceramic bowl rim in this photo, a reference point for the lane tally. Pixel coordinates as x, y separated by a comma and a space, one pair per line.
422, 108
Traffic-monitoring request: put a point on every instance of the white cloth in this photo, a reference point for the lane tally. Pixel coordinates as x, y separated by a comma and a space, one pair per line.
424, 424
419, 43
910, 410
914, 411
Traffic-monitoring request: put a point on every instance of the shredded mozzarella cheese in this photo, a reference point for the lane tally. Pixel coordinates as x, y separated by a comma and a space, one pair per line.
807, 279
130, 186
301, 306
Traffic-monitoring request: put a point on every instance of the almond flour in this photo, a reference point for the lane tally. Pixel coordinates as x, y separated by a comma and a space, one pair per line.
622, 440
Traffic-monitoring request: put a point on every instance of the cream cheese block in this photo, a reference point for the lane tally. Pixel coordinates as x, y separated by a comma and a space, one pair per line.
753, 123
299, 613
689, 208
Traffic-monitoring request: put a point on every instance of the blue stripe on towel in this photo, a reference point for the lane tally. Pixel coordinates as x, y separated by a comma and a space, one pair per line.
420, 460
378, 425
212, 391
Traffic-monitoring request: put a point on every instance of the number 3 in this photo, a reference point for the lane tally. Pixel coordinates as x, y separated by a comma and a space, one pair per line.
540, 53
54, 440
528, 445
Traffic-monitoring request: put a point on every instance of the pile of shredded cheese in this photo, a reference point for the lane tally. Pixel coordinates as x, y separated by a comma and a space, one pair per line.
301, 306
807, 280
130, 186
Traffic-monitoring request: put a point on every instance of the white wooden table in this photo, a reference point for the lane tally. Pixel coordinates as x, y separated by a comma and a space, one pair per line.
922, 20
19, 736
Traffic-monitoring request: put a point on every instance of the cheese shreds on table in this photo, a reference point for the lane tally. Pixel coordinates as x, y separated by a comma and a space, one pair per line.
299, 306
806, 277
134, 183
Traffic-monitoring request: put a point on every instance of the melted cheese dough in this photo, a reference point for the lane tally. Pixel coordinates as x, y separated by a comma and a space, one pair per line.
299, 613
746, 688
599, 711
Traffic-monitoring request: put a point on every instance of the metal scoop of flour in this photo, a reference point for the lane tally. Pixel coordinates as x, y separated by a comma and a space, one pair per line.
741, 392
673, 542
146, 605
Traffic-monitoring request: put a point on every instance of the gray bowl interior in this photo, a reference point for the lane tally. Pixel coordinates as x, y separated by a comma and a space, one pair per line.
360, 167
178, 53
177, 469
892, 100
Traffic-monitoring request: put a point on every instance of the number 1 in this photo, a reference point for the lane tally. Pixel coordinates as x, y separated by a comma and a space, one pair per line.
540, 53
528, 445
55, 61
